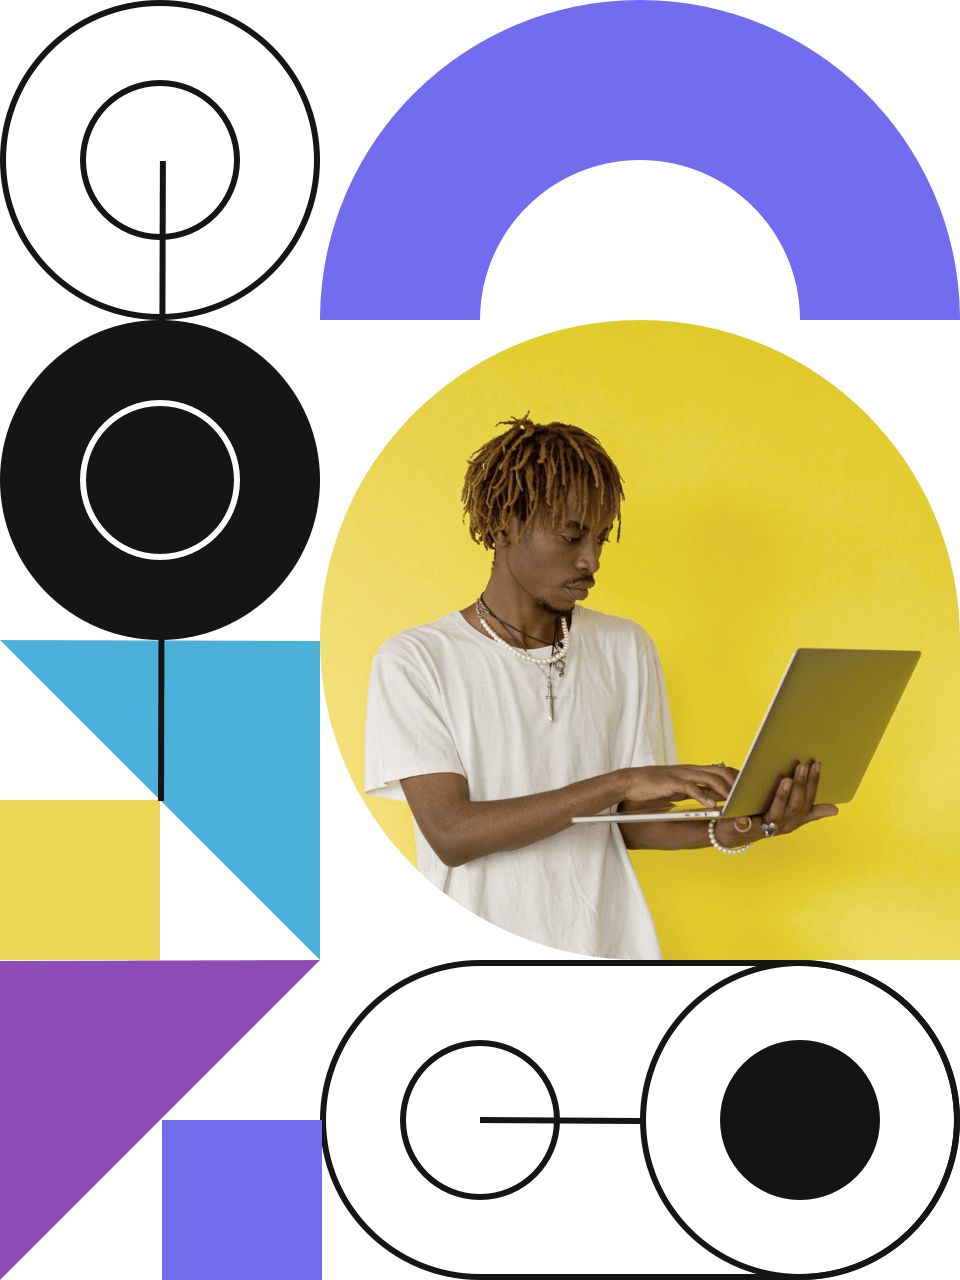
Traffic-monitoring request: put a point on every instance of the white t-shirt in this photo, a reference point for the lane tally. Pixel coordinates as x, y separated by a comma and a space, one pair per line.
445, 698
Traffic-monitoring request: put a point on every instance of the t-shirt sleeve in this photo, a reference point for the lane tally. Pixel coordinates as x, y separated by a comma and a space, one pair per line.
406, 735
654, 742
668, 746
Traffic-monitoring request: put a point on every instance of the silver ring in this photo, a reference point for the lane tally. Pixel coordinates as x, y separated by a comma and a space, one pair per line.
769, 828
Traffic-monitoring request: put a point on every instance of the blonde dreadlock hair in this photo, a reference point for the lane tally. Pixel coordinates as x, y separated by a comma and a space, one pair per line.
528, 472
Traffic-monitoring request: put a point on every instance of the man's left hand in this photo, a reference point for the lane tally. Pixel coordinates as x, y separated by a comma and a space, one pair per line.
793, 805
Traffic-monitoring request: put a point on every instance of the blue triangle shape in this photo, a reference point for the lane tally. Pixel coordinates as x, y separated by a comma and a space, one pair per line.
111, 685
242, 764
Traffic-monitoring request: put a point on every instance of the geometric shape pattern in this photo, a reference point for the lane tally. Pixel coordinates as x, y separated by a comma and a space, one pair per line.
81, 879
268, 211
241, 1199
170, 585
111, 686
911, 1097
114, 1232
274, 1072
676, 83
691, 1054
242, 733
94, 1056
47, 753
206, 913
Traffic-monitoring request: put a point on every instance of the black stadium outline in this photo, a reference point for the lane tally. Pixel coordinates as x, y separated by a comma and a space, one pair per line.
744, 969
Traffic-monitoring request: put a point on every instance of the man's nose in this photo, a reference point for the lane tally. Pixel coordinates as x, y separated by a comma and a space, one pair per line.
589, 559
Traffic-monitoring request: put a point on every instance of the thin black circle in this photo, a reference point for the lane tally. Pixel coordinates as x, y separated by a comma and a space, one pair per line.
43, 502
554, 1133
311, 199
156, 235
800, 1119
805, 964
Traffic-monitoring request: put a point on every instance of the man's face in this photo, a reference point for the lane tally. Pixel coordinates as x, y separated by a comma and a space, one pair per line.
556, 565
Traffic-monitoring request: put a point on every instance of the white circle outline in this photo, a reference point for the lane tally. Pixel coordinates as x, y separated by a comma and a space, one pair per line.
159, 404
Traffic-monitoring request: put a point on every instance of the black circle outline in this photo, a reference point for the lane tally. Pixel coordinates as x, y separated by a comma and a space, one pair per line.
480, 1044
160, 4
799, 964
159, 84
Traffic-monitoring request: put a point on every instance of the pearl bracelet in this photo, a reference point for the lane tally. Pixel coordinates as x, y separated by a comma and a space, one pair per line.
720, 848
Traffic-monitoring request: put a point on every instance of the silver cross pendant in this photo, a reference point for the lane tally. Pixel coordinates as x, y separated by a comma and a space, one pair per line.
550, 694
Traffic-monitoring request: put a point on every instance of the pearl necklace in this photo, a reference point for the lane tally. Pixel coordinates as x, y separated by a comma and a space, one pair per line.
545, 664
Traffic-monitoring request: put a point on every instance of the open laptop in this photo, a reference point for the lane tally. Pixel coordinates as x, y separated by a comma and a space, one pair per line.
832, 705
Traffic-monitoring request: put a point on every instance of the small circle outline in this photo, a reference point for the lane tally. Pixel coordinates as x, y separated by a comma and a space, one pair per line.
311, 198
765, 967
159, 84
119, 416
555, 1128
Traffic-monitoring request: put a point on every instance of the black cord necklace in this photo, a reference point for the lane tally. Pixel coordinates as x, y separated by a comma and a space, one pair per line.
526, 635
508, 626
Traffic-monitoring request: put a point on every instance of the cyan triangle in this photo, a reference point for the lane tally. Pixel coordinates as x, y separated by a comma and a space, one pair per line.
111, 685
242, 765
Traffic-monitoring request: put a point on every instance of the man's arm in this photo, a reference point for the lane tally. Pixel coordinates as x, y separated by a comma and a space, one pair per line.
459, 829
691, 834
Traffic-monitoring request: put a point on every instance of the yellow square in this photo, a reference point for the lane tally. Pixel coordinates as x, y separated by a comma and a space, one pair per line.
80, 880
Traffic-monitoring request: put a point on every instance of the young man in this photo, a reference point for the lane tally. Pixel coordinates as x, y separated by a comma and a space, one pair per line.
503, 721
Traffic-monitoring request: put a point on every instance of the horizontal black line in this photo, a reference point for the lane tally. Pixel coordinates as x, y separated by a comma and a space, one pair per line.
558, 1120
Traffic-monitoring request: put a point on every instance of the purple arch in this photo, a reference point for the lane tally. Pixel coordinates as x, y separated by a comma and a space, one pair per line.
640, 80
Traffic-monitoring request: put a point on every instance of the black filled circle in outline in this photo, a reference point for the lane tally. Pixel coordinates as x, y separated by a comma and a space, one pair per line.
554, 1129
808, 964
314, 136
184, 231
124, 593
800, 1119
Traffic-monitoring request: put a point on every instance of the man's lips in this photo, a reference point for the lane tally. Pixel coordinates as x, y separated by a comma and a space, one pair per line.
579, 588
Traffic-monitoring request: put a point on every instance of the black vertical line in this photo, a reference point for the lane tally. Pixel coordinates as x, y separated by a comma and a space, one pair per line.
161, 699
163, 241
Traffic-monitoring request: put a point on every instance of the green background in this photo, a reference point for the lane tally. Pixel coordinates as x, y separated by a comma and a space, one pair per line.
625, 242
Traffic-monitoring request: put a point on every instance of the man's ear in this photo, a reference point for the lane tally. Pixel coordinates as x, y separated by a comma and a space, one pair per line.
501, 539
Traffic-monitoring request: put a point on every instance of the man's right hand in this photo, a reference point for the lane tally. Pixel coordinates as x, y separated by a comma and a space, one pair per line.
653, 787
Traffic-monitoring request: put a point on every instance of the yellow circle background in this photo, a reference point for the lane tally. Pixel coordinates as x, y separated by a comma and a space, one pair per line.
764, 512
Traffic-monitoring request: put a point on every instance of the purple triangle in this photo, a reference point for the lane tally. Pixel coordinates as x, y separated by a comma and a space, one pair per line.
93, 1055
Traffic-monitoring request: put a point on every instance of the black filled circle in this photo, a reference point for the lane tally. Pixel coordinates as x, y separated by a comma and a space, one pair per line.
223, 302
800, 1119
554, 1133
806, 964
122, 592
156, 235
